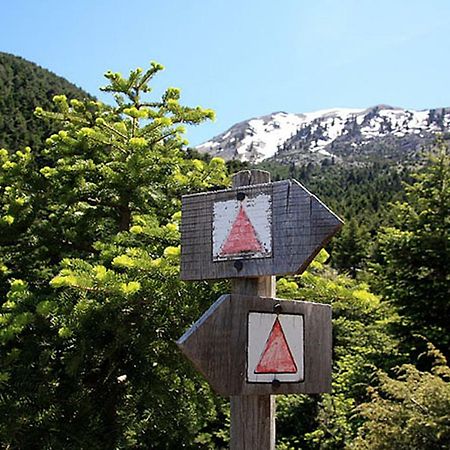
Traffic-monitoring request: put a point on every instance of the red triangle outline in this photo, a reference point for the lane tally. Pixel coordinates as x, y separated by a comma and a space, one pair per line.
242, 237
276, 356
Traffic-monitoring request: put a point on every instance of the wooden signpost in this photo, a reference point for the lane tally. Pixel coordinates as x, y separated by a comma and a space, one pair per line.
253, 230
250, 345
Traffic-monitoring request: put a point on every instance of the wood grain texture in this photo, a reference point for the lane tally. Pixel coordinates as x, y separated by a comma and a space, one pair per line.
249, 177
301, 226
252, 417
217, 344
252, 423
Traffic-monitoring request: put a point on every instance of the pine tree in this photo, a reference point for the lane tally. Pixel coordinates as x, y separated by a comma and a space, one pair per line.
414, 254
409, 411
91, 300
350, 248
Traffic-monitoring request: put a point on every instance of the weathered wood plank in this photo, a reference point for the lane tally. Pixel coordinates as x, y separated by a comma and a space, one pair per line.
246, 233
222, 360
252, 417
252, 426
300, 226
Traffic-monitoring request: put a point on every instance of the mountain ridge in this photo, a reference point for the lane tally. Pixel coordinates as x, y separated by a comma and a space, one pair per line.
339, 134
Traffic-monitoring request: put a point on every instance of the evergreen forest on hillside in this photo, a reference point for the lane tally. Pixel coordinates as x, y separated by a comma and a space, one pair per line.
91, 303
23, 87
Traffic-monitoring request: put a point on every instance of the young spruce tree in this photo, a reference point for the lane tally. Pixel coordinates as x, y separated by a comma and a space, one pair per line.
90, 298
414, 255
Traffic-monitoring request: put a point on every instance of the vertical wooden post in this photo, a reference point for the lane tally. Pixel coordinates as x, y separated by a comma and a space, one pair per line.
252, 416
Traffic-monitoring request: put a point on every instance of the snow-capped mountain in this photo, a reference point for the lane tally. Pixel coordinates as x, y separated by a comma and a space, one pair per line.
334, 133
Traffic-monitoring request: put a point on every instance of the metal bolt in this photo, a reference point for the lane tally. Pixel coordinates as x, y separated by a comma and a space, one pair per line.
276, 383
240, 196
277, 308
238, 265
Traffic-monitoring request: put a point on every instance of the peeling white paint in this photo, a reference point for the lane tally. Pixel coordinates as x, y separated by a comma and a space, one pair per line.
259, 212
259, 328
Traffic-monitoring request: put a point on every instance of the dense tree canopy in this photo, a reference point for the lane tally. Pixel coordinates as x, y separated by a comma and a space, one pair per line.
362, 342
92, 304
409, 411
413, 254
23, 87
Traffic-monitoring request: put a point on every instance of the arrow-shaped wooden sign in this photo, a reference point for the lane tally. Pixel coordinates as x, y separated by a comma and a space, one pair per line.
252, 231
245, 345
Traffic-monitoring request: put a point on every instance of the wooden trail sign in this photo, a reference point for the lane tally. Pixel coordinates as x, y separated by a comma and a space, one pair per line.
251, 345
252, 231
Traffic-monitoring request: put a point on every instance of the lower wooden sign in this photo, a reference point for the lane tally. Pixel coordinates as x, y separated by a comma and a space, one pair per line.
246, 345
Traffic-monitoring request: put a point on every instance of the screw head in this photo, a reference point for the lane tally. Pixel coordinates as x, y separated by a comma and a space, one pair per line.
277, 308
276, 383
238, 265
240, 196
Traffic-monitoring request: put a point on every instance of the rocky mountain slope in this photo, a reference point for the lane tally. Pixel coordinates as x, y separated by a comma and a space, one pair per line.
334, 134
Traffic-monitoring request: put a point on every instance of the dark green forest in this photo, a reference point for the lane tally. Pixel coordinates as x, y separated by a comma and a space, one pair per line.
23, 87
91, 303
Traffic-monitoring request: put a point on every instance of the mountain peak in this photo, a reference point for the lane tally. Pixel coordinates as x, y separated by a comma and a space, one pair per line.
325, 133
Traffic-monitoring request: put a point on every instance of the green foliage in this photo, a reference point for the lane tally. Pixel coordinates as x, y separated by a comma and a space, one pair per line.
410, 411
91, 302
23, 87
412, 265
363, 342
91, 299
360, 194
351, 249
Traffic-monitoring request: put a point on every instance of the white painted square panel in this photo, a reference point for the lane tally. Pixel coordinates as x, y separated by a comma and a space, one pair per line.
275, 348
242, 228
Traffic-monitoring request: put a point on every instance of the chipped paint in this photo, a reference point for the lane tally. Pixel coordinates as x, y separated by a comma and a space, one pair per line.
277, 356
242, 228
275, 348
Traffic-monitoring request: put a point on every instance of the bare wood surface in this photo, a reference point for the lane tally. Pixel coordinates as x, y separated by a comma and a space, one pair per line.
298, 226
301, 226
252, 417
253, 423
249, 177
217, 343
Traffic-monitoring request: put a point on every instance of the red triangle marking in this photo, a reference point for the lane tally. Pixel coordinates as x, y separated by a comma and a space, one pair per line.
277, 356
242, 237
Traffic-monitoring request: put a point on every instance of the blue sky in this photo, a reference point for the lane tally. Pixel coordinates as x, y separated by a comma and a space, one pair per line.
246, 58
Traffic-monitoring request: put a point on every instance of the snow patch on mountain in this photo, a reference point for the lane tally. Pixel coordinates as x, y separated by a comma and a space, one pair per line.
317, 132
267, 135
262, 135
